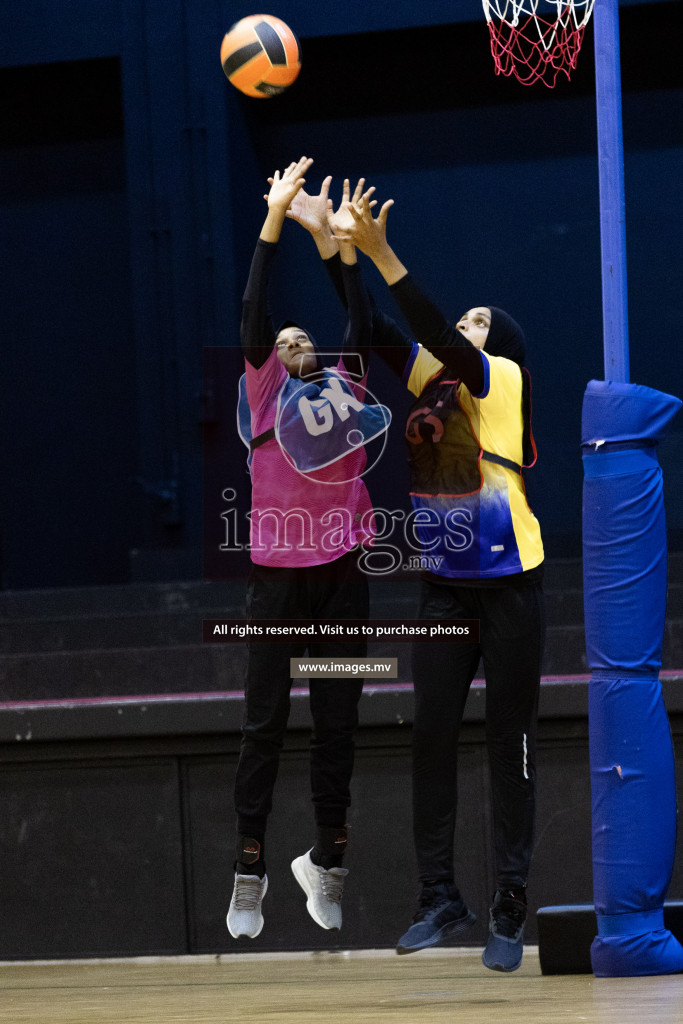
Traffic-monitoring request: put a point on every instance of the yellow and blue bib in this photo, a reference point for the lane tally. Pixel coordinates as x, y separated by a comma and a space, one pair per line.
465, 454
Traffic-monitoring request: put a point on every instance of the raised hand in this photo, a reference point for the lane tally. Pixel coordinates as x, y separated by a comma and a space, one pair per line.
310, 211
283, 190
341, 220
354, 223
285, 187
357, 226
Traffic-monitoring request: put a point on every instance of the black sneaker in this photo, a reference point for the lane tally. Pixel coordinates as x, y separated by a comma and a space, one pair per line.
506, 930
441, 914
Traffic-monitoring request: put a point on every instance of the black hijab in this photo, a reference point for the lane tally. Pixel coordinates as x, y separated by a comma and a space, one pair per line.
506, 339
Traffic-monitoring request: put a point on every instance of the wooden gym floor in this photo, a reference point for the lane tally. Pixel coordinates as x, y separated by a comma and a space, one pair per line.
372, 987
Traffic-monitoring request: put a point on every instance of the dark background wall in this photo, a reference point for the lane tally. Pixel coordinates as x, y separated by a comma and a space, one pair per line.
132, 176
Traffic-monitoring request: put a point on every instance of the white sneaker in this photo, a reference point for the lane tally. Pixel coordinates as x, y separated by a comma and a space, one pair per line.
323, 888
245, 917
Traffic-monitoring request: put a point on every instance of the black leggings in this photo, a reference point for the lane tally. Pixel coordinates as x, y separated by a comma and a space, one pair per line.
512, 633
336, 590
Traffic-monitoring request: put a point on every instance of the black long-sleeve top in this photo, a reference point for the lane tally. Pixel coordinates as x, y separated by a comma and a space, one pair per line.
257, 333
430, 327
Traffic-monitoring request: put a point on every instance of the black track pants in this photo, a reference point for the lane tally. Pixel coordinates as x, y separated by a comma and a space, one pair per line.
336, 590
512, 633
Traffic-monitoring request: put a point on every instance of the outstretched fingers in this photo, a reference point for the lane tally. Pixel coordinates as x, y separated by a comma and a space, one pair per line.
285, 185
296, 170
357, 212
362, 211
384, 212
358, 191
302, 165
366, 197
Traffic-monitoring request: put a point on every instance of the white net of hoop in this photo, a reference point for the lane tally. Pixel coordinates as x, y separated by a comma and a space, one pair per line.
535, 40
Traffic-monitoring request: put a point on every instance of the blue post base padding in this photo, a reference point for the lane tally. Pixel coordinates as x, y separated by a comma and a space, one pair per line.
634, 825
631, 754
635, 945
